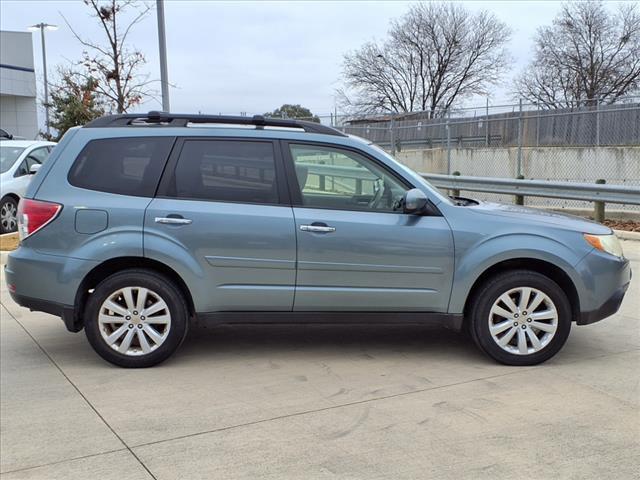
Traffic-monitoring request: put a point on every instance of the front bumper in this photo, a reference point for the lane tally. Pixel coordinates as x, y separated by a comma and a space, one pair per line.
608, 308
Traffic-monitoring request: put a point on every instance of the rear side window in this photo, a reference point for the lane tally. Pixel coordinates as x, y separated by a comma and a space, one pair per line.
226, 171
126, 166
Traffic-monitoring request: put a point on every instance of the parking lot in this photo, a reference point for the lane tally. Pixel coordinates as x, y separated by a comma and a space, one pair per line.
320, 402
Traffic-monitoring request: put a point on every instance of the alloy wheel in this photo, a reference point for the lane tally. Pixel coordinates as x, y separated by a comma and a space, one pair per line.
8, 216
523, 320
134, 321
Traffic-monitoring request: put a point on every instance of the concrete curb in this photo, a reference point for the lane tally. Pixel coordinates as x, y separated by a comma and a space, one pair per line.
9, 241
624, 235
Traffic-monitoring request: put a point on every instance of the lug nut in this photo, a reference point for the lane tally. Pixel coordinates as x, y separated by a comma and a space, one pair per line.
524, 313
135, 313
524, 327
128, 317
515, 324
514, 316
142, 318
131, 325
528, 320
139, 325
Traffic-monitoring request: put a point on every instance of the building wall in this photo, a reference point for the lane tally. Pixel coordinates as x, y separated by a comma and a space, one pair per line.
18, 112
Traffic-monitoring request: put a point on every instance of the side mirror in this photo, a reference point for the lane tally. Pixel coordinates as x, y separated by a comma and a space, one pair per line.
415, 201
34, 168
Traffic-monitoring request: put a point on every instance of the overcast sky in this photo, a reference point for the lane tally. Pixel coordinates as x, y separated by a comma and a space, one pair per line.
244, 56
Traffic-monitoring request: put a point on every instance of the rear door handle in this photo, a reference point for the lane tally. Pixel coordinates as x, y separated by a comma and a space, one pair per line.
173, 220
317, 228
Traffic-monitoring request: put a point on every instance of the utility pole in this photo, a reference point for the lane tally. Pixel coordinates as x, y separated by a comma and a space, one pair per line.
42, 27
162, 44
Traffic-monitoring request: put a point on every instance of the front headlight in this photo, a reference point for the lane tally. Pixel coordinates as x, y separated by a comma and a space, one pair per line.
607, 243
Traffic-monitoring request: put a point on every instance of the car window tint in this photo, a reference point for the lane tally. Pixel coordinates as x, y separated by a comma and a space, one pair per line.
334, 178
126, 166
226, 170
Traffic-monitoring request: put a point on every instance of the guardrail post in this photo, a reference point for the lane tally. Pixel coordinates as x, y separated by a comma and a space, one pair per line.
456, 192
598, 207
520, 198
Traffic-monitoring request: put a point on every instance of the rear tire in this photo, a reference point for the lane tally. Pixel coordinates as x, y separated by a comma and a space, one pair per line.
503, 328
136, 318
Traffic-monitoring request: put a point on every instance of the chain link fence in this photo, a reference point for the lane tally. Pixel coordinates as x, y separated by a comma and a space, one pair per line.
584, 143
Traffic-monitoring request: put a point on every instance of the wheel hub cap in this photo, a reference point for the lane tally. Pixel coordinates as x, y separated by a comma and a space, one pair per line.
523, 320
8, 216
134, 321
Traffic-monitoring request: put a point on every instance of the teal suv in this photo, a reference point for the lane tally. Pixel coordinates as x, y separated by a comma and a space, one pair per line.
139, 223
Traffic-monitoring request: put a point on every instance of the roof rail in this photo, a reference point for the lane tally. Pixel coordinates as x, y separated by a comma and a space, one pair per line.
181, 120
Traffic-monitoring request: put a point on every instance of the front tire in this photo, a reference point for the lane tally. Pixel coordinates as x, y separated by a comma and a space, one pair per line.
136, 318
520, 318
8, 215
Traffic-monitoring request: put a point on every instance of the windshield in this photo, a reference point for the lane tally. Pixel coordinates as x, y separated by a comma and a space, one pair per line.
8, 156
412, 173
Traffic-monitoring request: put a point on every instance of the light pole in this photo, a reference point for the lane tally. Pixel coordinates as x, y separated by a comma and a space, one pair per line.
162, 44
42, 27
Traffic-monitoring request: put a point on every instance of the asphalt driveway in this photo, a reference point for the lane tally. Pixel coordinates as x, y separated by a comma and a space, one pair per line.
320, 402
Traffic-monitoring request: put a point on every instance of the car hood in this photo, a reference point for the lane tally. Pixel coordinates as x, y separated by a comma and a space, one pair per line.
526, 215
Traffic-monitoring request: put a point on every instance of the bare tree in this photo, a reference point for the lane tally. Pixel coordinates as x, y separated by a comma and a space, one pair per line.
435, 56
114, 66
586, 54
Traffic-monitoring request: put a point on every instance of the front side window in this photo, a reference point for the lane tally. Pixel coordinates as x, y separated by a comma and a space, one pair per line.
125, 166
226, 171
334, 178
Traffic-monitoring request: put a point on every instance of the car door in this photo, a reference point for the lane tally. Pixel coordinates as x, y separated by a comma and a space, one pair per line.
357, 250
222, 207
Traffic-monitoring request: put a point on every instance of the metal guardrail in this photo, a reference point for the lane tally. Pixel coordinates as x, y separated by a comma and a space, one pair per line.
338, 171
588, 192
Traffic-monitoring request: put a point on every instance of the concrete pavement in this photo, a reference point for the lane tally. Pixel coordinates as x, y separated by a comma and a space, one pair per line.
320, 402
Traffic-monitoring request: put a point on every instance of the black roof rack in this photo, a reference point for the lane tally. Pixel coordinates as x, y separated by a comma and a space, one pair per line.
181, 120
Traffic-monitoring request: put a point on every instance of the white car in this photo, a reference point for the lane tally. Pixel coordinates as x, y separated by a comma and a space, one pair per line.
19, 160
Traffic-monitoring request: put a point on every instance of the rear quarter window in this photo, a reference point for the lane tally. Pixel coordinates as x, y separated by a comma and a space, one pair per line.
124, 166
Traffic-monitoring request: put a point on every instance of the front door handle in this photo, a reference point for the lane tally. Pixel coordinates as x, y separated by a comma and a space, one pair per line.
173, 220
317, 228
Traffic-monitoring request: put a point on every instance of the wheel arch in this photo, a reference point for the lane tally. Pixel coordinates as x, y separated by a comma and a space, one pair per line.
13, 195
543, 267
114, 265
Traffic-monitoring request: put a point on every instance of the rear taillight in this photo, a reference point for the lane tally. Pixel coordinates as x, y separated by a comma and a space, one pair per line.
34, 215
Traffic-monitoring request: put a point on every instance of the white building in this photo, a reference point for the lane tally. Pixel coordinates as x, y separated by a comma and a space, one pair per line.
18, 114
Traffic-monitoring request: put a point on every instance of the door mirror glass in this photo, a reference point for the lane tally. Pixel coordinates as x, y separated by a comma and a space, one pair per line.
34, 168
414, 201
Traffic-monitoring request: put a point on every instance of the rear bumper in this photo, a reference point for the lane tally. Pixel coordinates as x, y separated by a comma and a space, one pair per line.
608, 308
46, 283
66, 312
